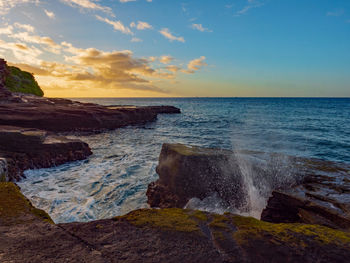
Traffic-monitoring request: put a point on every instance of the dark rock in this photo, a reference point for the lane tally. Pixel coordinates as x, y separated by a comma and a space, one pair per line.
3, 170
62, 115
160, 235
26, 148
193, 172
305, 191
322, 198
188, 172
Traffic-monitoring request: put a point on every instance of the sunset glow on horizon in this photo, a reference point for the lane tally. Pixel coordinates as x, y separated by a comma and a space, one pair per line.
167, 48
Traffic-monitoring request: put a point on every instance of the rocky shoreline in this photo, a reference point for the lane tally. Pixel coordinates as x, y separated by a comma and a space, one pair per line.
307, 218
182, 235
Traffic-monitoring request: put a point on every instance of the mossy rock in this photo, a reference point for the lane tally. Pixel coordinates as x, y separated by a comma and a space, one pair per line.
15, 208
294, 234
22, 81
245, 231
173, 219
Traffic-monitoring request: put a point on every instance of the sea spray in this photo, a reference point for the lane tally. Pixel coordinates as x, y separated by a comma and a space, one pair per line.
260, 174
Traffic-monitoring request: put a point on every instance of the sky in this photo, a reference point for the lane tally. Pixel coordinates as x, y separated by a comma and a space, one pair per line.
171, 48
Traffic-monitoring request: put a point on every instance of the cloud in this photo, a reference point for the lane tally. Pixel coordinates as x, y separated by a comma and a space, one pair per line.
49, 14
337, 12
200, 27
46, 41
141, 25
90, 5
250, 4
117, 25
87, 69
195, 65
6, 30
167, 34
136, 40
173, 68
166, 59
95, 68
7, 5
125, 1
21, 51
26, 27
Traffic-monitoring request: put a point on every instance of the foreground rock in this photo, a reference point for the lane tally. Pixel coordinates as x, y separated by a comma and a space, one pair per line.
303, 190
25, 148
62, 115
322, 198
166, 235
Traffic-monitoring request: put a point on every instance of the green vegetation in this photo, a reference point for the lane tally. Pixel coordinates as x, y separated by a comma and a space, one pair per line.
16, 209
173, 219
243, 230
22, 81
251, 228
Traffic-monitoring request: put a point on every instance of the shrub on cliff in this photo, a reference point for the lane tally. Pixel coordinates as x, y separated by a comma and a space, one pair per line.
22, 81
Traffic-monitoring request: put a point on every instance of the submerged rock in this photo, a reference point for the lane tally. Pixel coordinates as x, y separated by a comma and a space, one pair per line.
25, 148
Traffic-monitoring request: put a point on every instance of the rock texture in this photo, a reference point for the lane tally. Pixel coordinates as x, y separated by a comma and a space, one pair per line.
186, 172
4, 93
3, 170
304, 191
62, 115
166, 235
25, 148
322, 198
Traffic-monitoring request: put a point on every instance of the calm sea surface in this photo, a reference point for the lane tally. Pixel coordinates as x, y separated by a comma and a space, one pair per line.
113, 181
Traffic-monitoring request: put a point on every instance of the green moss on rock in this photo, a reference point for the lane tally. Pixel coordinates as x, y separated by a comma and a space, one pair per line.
245, 231
172, 219
15, 208
22, 81
293, 234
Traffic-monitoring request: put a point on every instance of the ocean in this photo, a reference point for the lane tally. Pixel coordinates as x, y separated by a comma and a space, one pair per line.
114, 180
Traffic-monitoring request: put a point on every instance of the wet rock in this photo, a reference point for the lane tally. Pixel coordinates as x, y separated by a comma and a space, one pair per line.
25, 148
3, 170
187, 172
322, 198
28, 234
172, 235
304, 191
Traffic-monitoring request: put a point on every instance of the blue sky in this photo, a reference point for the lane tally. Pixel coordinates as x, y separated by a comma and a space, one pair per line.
86, 48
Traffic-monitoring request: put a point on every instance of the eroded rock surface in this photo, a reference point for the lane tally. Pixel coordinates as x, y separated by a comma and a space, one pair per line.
160, 235
26, 148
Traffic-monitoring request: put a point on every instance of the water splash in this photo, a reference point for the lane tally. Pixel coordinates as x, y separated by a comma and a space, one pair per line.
260, 174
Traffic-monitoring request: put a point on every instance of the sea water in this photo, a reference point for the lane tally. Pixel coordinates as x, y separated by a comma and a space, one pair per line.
113, 181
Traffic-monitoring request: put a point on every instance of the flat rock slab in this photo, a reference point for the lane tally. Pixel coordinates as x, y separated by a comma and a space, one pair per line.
63, 115
28, 148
